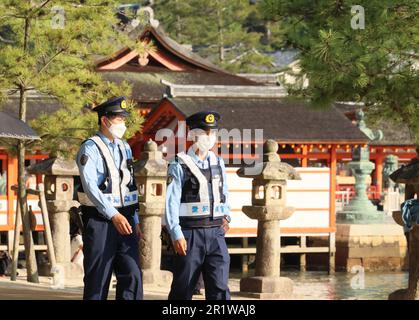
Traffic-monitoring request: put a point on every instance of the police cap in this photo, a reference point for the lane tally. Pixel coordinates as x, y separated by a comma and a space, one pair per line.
203, 120
113, 106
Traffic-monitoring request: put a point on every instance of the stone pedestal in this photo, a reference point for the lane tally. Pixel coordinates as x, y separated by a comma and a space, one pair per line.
267, 283
269, 288
59, 190
59, 217
150, 245
151, 174
360, 209
375, 247
268, 207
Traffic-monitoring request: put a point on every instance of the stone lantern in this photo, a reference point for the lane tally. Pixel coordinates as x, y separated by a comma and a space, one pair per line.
409, 175
269, 190
391, 163
360, 210
59, 190
151, 175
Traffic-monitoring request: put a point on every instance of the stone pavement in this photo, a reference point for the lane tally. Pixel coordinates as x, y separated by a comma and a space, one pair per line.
311, 285
73, 290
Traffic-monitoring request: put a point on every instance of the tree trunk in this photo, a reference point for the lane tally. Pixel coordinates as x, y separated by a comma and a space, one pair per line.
220, 32
178, 22
31, 267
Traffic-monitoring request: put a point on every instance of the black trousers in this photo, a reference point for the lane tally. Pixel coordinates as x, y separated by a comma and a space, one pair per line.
207, 253
106, 251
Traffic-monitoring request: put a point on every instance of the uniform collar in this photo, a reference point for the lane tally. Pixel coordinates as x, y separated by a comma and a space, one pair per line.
105, 139
195, 157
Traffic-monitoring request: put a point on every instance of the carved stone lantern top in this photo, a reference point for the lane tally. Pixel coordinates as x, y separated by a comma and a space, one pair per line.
271, 168
373, 135
151, 162
55, 167
59, 182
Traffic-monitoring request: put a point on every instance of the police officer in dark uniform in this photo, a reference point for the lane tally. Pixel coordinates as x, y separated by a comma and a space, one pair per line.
197, 213
109, 203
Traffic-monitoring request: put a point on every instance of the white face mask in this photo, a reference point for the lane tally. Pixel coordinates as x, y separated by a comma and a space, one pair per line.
117, 130
205, 142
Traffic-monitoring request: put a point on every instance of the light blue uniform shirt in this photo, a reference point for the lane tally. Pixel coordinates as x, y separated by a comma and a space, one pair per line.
92, 174
174, 193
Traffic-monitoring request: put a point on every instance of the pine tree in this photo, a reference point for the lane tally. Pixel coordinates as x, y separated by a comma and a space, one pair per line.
219, 30
376, 65
49, 46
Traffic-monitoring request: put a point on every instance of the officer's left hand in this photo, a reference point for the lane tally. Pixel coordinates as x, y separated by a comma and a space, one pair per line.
225, 225
121, 224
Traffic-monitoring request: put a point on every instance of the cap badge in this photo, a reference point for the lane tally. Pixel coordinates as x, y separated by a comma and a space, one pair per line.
209, 118
123, 104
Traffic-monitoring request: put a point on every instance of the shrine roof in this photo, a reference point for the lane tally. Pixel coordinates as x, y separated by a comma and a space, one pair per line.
284, 120
148, 86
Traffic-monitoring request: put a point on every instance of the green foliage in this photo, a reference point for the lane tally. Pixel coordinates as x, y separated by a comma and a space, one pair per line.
66, 140
229, 33
37, 54
377, 65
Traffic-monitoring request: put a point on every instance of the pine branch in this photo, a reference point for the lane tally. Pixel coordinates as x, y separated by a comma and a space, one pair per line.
37, 9
6, 40
17, 16
50, 60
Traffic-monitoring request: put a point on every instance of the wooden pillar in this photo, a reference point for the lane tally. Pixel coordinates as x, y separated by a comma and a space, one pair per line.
4, 163
379, 170
332, 212
304, 160
10, 237
333, 172
38, 176
332, 250
245, 257
303, 261
11, 180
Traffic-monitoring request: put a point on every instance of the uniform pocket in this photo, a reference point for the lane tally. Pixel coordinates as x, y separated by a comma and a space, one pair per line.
187, 233
222, 246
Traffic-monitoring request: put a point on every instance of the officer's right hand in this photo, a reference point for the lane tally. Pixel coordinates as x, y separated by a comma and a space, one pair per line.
180, 246
121, 224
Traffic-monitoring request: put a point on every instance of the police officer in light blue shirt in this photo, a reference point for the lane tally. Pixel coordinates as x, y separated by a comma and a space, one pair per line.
109, 202
197, 213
